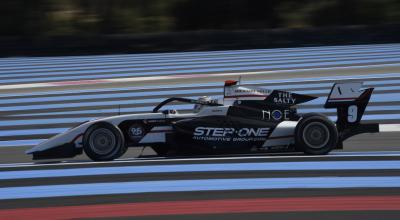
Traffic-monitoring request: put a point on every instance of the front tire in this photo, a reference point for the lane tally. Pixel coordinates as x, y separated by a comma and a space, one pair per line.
103, 142
316, 135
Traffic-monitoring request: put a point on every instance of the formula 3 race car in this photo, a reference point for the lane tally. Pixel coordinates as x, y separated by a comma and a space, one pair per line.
247, 120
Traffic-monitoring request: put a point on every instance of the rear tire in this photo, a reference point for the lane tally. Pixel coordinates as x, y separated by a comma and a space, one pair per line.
316, 135
103, 142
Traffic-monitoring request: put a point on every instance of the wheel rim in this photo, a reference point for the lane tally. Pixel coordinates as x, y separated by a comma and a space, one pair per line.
102, 141
316, 135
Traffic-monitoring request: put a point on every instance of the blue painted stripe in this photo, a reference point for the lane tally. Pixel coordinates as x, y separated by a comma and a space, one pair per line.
369, 108
253, 56
37, 131
83, 104
37, 70
82, 119
230, 68
304, 89
80, 104
20, 143
131, 94
275, 166
365, 153
313, 50
44, 121
111, 110
189, 107
302, 50
379, 117
276, 51
54, 131
389, 97
295, 83
144, 65
197, 185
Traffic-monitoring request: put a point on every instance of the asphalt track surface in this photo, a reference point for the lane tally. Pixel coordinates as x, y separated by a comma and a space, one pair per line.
362, 181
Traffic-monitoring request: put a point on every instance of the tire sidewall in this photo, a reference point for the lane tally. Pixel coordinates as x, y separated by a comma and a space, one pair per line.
116, 152
300, 143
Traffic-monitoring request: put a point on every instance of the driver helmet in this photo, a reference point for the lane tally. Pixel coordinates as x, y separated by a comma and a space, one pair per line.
203, 99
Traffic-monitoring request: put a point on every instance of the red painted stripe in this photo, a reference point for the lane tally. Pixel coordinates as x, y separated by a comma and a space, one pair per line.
259, 205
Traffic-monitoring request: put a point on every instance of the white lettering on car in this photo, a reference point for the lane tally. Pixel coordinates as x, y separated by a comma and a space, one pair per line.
223, 132
276, 114
199, 131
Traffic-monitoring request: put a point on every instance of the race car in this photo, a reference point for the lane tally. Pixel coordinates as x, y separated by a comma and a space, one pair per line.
247, 119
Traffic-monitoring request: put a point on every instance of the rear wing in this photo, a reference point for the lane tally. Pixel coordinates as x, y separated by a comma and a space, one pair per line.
347, 93
350, 100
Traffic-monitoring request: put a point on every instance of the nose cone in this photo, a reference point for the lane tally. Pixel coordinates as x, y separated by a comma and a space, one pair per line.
59, 146
48, 144
66, 150
42, 146
53, 148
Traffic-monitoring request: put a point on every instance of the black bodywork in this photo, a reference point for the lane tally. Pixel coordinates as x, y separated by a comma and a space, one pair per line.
246, 125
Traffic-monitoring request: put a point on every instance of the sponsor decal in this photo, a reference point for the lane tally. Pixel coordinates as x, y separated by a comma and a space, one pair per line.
276, 114
242, 90
284, 98
239, 91
230, 134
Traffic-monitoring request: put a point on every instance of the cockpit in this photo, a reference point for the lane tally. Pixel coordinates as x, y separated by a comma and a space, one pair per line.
199, 104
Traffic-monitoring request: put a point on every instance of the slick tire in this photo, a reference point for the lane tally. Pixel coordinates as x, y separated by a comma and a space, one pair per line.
315, 134
103, 142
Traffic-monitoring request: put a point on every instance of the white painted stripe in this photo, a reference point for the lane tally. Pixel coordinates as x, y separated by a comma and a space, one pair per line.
389, 127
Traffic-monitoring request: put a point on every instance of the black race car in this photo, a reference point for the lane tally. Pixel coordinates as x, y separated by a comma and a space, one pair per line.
246, 120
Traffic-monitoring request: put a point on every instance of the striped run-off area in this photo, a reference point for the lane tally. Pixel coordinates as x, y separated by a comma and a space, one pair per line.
43, 96
40, 97
233, 187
